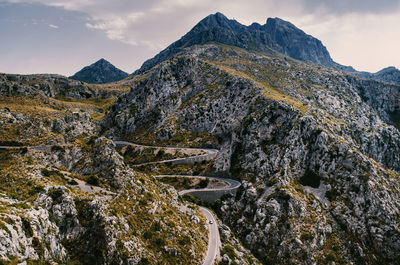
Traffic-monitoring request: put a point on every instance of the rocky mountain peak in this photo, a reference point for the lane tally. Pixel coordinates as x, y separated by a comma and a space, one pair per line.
295, 43
102, 61
279, 22
217, 20
100, 72
276, 35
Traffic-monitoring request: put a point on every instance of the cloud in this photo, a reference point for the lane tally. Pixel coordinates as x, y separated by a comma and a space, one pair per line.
153, 24
30, 45
116, 27
365, 41
342, 7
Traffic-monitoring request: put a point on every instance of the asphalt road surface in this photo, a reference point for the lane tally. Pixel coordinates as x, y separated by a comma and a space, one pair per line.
214, 242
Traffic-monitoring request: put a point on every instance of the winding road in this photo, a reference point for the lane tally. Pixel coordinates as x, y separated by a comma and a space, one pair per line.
199, 154
214, 242
231, 184
203, 154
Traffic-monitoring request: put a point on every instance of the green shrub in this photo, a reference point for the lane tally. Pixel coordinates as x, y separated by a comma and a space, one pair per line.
184, 241
93, 180
228, 249
144, 261
57, 148
92, 139
85, 216
204, 183
36, 189
147, 235
160, 242
72, 182
56, 194
48, 173
26, 226
142, 202
331, 194
160, 153
156, 227
306, 236
45, 172
73, 262
310, 178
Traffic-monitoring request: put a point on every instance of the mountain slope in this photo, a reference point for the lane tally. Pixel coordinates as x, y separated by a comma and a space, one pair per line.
66, 195
276, 35
312, 146
100, 72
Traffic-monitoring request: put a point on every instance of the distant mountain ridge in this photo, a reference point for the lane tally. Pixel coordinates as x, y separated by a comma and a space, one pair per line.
100, 72
389, 74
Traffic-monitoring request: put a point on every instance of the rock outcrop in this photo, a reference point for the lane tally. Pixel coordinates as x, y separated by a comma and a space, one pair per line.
45, 85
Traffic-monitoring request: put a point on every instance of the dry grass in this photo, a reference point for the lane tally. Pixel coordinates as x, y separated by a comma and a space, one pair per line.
28, 106
96, 107
269, 91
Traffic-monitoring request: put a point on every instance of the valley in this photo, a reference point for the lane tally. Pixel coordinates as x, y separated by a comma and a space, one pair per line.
230, 149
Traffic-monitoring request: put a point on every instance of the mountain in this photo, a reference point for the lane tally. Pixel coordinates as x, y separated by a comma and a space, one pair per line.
115, 174
100, 72
276, 35
314, 148
390, 75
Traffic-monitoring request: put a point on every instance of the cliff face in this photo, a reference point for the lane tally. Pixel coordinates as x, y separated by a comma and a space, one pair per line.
313, 146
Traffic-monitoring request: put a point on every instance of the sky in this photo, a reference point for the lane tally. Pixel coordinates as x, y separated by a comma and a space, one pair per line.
62, 36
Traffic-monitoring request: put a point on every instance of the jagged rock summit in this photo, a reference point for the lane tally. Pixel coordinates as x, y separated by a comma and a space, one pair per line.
100, 72
276, 35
